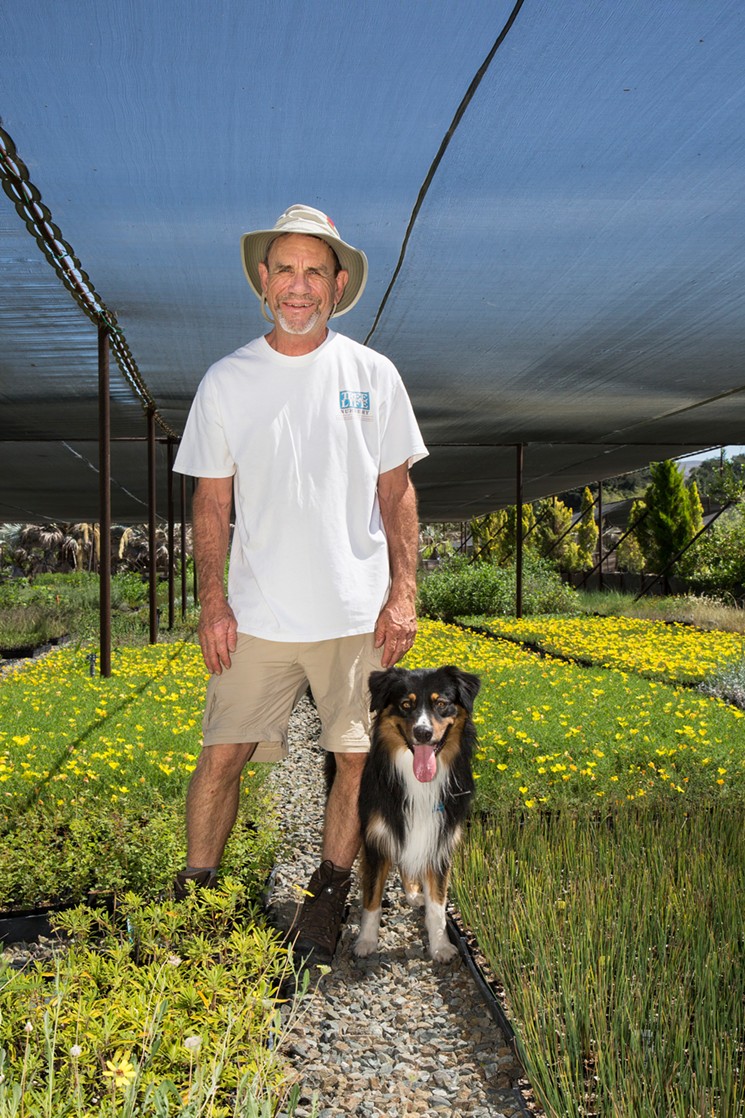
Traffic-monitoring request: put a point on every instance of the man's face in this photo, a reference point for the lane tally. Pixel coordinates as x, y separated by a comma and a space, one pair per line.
300, 284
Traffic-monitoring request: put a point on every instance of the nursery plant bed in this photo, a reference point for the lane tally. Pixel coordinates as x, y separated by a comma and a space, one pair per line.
27, 651
27, 925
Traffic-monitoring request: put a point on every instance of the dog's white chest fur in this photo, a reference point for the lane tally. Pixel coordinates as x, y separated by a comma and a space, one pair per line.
424, 818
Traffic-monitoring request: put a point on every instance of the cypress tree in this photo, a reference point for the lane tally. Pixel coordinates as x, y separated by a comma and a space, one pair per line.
669, 519
587, 531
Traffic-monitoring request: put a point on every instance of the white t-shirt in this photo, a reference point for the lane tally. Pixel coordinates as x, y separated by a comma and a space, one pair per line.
305, 439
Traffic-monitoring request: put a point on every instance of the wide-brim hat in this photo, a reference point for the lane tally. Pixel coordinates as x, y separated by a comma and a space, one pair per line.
313, 223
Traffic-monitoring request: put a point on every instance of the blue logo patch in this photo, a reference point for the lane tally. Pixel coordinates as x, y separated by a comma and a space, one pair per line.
354, 403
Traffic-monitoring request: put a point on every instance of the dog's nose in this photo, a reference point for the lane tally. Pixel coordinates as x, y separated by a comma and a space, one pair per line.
422, 732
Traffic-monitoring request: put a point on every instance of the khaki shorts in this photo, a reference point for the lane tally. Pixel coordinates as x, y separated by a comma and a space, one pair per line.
252, 700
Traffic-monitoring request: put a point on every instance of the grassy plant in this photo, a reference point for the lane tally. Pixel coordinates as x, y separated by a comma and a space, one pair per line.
30, 626
160, 1010
619, 942
703, 611
69, 604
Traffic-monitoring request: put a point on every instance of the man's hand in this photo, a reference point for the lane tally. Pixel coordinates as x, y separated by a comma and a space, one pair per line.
218, 635
395, 628
395, 631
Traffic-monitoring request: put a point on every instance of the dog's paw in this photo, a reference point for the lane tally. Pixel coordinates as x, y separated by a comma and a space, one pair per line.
364, 947
443, 952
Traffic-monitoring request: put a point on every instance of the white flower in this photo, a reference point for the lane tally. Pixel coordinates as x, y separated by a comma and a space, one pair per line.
175, 960
193, 1043
76, 1051
28, 1027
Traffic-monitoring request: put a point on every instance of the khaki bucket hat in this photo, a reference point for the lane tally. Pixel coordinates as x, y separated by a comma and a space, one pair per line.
304, 219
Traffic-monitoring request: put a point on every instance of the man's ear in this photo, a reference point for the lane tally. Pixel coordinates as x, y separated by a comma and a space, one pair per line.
263, 276
342, 279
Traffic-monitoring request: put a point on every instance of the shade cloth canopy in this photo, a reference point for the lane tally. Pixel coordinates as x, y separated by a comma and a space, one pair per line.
572, 276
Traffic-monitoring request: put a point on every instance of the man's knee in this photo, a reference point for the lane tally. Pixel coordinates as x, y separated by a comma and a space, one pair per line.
349, 767
224, 762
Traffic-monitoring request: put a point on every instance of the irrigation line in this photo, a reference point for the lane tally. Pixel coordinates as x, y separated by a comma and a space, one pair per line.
486, 986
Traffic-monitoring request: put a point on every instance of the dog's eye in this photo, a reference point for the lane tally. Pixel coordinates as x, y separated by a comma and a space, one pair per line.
442, 704
406, 704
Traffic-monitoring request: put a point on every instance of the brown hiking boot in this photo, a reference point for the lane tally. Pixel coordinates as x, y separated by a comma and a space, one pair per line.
315, 933
203, 879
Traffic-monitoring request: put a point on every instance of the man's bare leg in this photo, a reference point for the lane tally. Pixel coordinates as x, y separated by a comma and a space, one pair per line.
341, 831
212, 801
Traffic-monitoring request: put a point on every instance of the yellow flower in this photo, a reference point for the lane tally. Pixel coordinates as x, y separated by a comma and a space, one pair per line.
120, 1071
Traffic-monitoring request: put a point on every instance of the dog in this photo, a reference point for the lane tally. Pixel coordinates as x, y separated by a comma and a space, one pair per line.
415, 794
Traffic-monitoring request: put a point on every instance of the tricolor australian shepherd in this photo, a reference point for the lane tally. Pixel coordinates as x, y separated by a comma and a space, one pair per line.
415, 794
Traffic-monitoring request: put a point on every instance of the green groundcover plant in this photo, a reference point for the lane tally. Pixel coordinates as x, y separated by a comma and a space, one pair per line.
96, 770
159, 1009
554, 735
670, 652
597, 789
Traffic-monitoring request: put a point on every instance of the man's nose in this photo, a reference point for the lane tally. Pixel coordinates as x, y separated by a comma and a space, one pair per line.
300, 282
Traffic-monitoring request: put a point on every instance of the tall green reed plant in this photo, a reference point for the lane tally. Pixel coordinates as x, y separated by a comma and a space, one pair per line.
619, 942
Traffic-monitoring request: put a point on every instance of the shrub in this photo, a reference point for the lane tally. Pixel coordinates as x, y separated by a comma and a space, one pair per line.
460, 589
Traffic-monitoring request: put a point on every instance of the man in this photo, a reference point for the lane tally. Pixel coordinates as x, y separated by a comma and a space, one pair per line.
311, 435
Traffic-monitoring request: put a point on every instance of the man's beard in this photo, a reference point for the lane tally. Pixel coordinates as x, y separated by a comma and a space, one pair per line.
309, 326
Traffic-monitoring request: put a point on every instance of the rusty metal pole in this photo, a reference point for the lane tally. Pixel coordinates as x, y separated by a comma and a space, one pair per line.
182, 494
600, 536
171, 540
196, 584
104, 501
519, 531
152, 543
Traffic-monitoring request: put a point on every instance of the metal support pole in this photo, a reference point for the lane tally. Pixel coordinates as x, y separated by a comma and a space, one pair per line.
196, 584
519, 531
182, 495
600, 535
104, 501
152, 543
171, 539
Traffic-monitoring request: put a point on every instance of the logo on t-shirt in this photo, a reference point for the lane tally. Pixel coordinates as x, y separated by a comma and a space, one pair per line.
354, 403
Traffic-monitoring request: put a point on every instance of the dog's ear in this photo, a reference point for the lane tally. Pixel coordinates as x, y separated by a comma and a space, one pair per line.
468, 686
380, 684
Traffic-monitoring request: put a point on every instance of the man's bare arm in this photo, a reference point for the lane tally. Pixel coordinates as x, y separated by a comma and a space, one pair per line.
396, 626
211, 528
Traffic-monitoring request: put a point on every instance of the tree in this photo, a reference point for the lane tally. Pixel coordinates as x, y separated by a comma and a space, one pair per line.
630, 553
587, 531
720, 479
695, 507
553, 532
490, 534
669, 520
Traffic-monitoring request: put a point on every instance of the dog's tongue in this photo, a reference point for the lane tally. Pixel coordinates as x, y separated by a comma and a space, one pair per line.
425, 763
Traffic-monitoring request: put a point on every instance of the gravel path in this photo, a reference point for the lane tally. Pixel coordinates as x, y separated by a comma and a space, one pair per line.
395, 1034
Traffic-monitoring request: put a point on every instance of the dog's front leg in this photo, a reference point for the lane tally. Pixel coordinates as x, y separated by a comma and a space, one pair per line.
375, 869
435, 896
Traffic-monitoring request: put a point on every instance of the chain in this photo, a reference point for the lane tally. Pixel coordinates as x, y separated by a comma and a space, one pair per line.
38, 220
